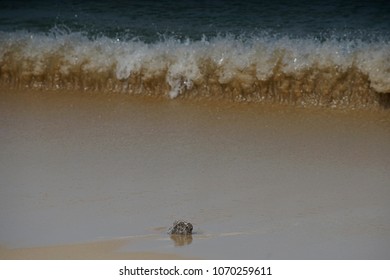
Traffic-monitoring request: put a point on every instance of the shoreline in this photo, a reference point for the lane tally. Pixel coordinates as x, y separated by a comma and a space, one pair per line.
103, 250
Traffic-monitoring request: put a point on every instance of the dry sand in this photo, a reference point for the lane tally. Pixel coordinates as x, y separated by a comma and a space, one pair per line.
92, 176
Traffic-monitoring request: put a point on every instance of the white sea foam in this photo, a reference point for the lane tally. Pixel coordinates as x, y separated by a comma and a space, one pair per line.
256, 68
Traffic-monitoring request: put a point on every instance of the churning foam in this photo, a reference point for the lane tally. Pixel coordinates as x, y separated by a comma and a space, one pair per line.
259, 69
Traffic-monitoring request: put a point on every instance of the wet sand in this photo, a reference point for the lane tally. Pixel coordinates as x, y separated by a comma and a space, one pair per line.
105, 250
99, 176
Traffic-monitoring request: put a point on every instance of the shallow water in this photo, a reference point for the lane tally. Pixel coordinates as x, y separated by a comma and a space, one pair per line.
275, 182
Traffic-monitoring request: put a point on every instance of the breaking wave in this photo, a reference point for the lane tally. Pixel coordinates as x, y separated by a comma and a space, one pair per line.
266, 69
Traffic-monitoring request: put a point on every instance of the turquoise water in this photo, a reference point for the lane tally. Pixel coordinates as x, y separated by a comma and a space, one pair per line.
326, 53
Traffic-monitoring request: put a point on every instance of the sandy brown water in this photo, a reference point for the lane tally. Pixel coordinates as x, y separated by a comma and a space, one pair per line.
110, 173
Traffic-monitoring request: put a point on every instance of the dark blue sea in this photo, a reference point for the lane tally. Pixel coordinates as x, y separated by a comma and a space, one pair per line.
321, 53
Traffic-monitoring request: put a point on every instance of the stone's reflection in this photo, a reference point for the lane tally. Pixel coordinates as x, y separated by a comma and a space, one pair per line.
181, 240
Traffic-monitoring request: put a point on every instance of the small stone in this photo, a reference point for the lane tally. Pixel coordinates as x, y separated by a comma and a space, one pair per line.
181, 228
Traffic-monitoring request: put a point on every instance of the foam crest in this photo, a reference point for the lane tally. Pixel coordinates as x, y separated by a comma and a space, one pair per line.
259, 69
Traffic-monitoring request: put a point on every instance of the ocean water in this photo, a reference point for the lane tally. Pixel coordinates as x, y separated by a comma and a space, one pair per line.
301, 53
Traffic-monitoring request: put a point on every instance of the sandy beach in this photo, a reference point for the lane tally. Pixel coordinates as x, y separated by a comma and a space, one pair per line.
103, 176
